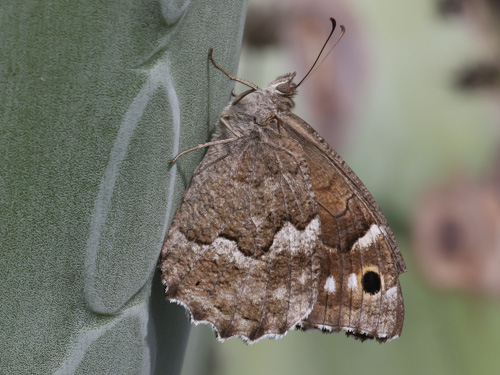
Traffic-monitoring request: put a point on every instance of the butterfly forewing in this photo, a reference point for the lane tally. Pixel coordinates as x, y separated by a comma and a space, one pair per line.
359, 290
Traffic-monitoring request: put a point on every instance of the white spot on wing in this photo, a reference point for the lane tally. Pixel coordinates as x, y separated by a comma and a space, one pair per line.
352, 283
370, 236
392, 292
291, 239
330, 285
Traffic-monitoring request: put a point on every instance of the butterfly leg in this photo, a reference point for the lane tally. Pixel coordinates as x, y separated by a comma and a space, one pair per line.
230, 127
213, 143
208, 144
231, 77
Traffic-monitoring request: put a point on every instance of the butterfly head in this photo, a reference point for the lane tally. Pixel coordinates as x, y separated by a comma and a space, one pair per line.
283, 86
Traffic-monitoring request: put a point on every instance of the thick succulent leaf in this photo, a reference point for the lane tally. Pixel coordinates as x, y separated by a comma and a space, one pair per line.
95, 99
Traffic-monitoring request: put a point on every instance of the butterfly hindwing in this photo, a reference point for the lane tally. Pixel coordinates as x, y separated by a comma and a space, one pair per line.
241, 253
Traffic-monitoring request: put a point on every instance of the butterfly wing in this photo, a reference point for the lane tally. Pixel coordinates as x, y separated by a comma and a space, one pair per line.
359, 290
241, 254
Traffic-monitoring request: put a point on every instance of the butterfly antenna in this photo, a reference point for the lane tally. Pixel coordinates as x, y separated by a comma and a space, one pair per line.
231, 77
342, 32
334, 24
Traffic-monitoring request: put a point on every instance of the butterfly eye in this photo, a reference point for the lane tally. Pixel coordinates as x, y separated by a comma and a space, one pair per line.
371, 282
284, 88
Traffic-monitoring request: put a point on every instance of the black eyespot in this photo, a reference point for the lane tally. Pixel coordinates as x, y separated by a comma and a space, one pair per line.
371, 282
197, 283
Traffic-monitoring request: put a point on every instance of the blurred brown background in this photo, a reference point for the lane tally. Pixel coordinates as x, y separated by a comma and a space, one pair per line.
410, 98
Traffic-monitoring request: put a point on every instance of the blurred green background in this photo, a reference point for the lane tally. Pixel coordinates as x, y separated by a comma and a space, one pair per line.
414, 117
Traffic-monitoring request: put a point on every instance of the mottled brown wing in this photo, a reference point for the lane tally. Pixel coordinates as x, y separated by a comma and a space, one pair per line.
359, 291
241, 253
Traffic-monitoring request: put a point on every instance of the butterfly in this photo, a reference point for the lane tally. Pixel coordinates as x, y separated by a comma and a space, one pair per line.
276, 232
